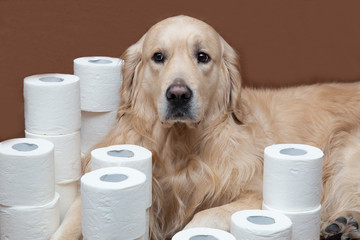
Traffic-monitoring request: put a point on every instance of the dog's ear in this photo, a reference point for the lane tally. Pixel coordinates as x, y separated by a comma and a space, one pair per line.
231, 66
132, 59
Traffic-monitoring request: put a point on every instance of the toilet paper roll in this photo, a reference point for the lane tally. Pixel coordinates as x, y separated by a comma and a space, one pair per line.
30, 222
100, 82
203, 234
260, 225
113, 204
26, 172
67, 155
94, 127
292, 177
306, 224
147, 221
126, 155
68, 193
52, 103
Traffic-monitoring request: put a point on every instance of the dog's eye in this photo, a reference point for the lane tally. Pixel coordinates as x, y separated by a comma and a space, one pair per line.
203, 57
158, 57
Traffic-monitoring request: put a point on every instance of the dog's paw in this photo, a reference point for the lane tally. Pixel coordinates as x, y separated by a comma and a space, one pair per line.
342, 228
211, 218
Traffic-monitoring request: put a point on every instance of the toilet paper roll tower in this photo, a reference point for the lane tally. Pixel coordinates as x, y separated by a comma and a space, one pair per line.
100, 81
52, 112
131, 156
29, 207
292, 186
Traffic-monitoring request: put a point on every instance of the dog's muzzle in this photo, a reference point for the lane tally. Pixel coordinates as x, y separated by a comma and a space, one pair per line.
179, 99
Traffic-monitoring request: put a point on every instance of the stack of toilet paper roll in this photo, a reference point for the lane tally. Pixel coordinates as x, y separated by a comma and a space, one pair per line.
29, 205
100, 81
131, 156
113, 204
292, 186
260, 225
52, 112
203, 234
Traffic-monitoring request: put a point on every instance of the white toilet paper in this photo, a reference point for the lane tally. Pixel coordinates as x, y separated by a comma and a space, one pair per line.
68, 193
29, 222
26, 172
260, 225
94, 127
203, 234
52, 103
113, 204
100, 81
306, 225
147, 221
126, 155
292, 177
67, 155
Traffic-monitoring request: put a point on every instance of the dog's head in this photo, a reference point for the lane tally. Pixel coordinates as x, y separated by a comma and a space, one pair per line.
184, 71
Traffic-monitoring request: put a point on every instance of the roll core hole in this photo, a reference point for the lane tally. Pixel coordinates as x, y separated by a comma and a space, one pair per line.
121, 153
51, 79
113, 177
25, 147
261, 220
293, 151
100, 61
203, 237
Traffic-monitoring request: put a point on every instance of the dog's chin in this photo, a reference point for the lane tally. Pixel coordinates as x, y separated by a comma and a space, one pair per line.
179, 116
189, 122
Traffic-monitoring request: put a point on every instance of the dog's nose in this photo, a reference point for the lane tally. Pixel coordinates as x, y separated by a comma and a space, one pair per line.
178, 93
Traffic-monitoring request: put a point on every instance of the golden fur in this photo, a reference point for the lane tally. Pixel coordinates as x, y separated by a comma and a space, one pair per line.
208, 167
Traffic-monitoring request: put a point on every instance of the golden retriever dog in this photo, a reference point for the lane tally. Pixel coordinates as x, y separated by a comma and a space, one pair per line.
182, 98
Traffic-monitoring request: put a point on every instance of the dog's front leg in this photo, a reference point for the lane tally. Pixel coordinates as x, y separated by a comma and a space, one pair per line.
70, 228
219, 217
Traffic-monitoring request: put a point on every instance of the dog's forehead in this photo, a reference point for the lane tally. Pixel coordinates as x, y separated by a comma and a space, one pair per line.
179, 30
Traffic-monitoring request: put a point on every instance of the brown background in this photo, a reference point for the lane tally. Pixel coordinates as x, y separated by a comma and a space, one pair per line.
281, 43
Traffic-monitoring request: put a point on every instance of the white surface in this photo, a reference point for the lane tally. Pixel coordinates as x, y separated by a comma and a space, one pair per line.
52, 107
146, 235
141, 160
244, 229
94, 127
292, 182
100, 81
68, 193
113, 210
203, 234
26, 177
67, 155
306, 224
30, 222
